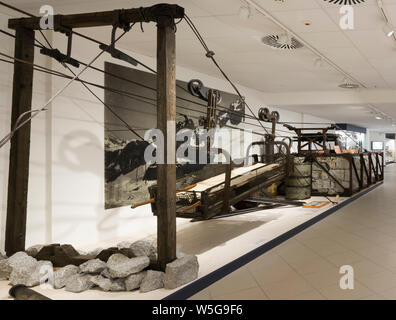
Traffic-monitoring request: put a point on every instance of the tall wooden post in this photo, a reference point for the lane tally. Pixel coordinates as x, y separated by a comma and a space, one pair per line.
166, 117
20, 144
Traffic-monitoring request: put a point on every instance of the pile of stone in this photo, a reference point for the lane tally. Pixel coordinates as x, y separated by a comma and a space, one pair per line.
110, 270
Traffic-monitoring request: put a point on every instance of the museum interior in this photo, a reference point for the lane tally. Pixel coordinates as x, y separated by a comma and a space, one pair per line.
197, 150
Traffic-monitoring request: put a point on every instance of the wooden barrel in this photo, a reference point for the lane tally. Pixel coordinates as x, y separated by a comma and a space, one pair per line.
298, 185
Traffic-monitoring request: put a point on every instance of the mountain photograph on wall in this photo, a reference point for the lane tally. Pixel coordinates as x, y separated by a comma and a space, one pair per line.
130, 97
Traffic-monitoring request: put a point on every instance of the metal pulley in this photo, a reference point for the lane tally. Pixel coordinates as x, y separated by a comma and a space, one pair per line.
197, 89
266, 115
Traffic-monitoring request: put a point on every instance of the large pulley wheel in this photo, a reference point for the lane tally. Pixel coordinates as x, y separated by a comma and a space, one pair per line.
275, 116
194, 86
264, 114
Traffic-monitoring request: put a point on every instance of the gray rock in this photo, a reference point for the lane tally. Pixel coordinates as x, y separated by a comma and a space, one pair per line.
5, 269
30, 275
153, 258
34, 250
181, 271
143, 248
105, 273
22, 259
108, 284
152, 281
2, 255
180, 254
23, 266
95, 252
82, 252
61, 275
121, 266
134, 281
79, 283
95, 266
124, 245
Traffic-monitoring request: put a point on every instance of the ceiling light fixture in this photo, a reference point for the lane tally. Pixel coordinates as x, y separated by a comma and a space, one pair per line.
389, 30
378, 117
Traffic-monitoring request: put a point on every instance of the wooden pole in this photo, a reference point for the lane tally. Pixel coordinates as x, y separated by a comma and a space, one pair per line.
166, 117
20, 144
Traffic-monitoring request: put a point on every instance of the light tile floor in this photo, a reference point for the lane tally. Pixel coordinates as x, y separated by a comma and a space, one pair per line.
306, 267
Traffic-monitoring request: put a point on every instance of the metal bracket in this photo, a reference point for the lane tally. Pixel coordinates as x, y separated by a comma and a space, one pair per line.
55, 53
119, 22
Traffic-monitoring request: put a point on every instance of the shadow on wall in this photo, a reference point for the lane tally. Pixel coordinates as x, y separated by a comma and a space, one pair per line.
76, 151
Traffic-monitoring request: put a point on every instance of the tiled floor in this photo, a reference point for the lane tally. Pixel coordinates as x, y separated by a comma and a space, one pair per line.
362, 235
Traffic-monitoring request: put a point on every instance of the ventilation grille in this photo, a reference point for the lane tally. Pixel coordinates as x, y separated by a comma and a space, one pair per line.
345, 2
349, 85
274, 41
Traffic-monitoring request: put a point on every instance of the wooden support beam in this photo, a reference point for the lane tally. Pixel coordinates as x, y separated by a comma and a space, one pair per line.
20, 144
166, 117
106, 18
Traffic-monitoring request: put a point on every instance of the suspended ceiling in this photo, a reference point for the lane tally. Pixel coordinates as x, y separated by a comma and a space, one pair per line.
364, 52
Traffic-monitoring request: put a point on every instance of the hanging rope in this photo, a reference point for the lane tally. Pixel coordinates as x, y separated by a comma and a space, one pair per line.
9, 136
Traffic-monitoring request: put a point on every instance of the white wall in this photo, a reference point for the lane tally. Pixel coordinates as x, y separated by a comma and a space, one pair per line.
66, 188
374, 136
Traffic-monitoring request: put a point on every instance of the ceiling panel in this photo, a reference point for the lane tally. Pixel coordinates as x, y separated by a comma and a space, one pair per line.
365, 52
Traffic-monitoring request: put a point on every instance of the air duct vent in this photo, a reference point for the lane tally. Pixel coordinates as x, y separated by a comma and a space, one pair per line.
285, 42
347, 84
345, 2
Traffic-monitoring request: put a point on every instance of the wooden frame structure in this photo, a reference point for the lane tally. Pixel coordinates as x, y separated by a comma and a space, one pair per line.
368, 171
311, 140
164, 15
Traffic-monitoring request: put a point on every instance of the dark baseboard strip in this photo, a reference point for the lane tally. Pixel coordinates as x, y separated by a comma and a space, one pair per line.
204, 282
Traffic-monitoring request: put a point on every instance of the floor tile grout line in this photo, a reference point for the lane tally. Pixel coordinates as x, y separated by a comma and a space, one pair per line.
207, 280
255, 280
302, 276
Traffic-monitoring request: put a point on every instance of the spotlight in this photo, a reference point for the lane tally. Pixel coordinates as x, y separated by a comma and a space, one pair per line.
378, 117
389, 30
